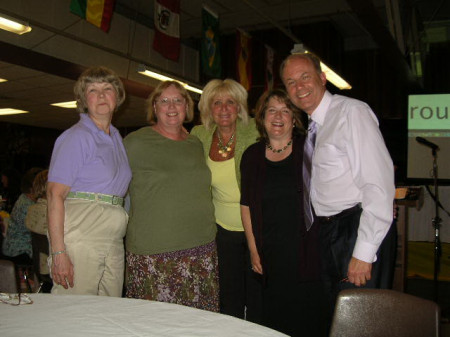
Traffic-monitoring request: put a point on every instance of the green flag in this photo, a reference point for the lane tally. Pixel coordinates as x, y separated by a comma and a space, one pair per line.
210, 49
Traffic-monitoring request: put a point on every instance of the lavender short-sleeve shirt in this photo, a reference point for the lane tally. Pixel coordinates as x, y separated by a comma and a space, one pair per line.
89, 160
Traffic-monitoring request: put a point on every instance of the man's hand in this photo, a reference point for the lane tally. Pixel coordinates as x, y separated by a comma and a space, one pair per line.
359, 272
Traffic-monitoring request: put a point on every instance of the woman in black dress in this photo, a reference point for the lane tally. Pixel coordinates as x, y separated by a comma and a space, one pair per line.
281, 248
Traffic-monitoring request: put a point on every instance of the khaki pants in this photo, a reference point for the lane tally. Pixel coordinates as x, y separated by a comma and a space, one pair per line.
93, 235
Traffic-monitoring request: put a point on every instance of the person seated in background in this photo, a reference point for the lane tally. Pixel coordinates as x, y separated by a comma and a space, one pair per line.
36, 219
9, 188
17, 244
9, 192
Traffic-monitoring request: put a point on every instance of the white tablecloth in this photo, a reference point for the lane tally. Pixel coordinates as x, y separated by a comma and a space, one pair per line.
85, 316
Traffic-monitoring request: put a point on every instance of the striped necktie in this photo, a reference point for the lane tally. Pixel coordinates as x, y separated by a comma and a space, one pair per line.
308, 151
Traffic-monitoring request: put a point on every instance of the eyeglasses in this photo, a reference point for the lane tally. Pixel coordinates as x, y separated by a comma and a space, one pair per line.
165, 101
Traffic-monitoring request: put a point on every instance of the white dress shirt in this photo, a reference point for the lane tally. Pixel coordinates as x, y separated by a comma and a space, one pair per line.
351, 165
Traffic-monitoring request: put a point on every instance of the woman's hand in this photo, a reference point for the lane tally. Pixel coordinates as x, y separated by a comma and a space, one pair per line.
256, 262
254, 256
62, 267
62, 270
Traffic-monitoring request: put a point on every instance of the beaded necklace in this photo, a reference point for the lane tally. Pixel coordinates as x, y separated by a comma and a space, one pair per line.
278, 150
224, 150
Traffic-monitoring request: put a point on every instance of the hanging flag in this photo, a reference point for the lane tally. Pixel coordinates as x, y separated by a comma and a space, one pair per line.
167, 28
210, 48
269, 68
243, 55
97, 12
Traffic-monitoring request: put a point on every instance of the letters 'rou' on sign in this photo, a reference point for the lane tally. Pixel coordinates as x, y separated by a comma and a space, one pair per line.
429, 112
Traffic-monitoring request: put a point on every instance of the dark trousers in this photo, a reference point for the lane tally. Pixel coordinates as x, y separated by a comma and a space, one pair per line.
337, 239
240, 288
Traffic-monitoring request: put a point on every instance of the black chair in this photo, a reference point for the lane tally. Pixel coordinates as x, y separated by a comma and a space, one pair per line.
8, 279
40, 246
381, 313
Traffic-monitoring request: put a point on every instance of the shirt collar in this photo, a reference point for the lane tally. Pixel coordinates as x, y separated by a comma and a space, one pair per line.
319, 114
89, 123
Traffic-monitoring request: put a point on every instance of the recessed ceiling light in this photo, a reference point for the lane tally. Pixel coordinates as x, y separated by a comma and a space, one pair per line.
10, 111
144, 71
13, 25
67, 105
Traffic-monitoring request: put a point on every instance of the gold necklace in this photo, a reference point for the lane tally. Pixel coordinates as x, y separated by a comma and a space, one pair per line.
224, 150
278, 150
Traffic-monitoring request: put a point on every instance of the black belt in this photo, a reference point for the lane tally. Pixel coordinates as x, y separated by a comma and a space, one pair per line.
345, 212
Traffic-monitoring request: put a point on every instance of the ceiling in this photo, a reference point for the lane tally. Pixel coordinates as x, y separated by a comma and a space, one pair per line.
39, 72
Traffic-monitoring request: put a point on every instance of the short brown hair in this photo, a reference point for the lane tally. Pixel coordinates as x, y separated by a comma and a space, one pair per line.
283, 97
151, 101
26, 184
97, 75
40, 184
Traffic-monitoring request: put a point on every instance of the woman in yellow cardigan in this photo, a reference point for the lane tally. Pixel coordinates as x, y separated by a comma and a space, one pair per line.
225, 133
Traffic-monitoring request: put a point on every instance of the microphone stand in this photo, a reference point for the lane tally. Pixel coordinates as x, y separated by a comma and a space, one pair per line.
437, 225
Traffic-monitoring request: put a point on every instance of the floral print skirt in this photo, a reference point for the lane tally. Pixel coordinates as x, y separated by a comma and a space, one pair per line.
187, 277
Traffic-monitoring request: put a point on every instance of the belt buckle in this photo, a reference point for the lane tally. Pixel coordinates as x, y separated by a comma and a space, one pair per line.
115, 200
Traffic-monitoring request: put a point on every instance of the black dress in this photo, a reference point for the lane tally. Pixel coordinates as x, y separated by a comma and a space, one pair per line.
280, 249
292, 291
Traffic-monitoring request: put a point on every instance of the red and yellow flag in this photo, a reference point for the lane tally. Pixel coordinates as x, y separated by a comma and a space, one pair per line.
97, 12
244, 55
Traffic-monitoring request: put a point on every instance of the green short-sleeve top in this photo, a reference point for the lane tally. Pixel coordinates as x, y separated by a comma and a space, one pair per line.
171, 207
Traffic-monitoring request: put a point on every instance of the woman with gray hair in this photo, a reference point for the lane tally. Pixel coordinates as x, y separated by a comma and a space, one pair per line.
171, 253
88, 178
226, 132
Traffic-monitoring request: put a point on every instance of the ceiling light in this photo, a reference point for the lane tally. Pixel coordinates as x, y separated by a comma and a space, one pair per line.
67, 105
3, 80
331, 76
142, 69
10, 111
13, 25
334, 78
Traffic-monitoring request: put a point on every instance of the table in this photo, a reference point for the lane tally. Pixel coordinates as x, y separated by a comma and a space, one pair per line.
82, 315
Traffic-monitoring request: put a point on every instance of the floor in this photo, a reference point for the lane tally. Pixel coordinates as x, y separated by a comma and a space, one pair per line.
426, 289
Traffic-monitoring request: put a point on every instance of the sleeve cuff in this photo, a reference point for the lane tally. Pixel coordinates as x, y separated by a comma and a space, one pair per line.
365, 251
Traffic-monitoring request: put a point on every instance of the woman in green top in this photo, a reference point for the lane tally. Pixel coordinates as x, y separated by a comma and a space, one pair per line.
171, 252
226, 132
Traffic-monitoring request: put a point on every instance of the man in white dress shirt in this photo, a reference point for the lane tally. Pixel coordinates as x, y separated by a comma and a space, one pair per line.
352, 180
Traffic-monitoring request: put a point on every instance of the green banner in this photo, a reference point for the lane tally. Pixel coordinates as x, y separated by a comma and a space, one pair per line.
210, 49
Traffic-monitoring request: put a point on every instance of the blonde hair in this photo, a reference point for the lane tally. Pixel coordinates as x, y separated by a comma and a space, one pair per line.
97, 75
217, 87
40, 184
151, 101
